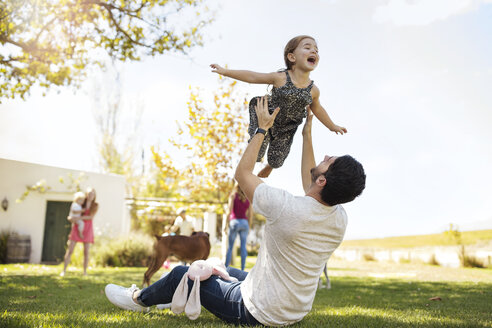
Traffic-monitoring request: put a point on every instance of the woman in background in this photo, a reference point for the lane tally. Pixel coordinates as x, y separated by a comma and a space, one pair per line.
239, 220
89, 207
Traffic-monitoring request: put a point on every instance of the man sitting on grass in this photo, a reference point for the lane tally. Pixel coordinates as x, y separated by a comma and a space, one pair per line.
300, 235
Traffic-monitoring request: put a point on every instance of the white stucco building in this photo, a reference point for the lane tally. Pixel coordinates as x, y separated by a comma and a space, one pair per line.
42, 216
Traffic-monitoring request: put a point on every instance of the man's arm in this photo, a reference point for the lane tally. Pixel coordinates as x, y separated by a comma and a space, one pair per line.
307, 160
244, 171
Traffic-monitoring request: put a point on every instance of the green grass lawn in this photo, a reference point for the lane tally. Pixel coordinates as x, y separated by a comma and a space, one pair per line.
439, 239
362, 295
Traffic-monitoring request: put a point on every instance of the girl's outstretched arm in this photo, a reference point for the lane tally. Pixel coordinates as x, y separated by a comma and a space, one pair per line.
248, 76
322, 115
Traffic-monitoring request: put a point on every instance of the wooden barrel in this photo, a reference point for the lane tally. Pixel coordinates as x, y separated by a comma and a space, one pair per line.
18, 248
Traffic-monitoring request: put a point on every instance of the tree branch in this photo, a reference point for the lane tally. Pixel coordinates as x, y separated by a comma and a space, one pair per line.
118, 27
44, 28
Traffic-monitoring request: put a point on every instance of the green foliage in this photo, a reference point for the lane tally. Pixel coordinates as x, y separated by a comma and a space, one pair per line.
73, 183
42, 186
53, 42
39, 186
454, 235
130, 250
212, 138
151, 223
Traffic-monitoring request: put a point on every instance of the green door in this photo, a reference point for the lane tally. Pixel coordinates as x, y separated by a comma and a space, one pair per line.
56, 230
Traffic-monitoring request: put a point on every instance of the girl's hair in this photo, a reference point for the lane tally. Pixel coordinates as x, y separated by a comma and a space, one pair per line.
241, 194
291, 46
94, 205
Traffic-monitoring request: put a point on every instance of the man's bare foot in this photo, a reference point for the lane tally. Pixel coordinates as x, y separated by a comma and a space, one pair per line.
265, 172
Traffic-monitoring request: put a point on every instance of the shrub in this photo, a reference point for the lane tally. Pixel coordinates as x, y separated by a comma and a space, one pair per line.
472, 262
252, 249
368, 257
404, 260
433, 260
132, 250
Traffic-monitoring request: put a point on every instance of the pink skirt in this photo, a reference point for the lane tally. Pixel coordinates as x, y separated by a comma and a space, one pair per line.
88, 233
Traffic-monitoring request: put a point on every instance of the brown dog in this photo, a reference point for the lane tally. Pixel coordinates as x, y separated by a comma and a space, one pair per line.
186, 249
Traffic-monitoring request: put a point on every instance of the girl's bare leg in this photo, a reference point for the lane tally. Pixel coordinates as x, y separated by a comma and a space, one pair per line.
86, 257
68, 255
265, 172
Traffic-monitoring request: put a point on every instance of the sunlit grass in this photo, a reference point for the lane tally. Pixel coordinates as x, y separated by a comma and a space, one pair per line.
440, 239
35, 296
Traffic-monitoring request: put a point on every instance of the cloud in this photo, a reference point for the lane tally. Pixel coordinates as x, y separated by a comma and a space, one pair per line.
422, 12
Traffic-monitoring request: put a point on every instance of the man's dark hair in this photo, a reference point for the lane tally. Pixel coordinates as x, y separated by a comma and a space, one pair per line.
345, 180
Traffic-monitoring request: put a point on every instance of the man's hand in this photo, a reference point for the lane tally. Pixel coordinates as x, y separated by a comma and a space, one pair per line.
306, 130
218, 69
265, 119
244, 171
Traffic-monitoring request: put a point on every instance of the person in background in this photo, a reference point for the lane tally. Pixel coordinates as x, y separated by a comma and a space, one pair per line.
167, 231
90, 209
182, 223
76, 210
239, 219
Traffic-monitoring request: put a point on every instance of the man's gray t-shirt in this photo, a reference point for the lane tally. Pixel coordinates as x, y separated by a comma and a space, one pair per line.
300, 236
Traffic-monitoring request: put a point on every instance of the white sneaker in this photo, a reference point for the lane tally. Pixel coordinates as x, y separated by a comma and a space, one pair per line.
123, 297
163, 306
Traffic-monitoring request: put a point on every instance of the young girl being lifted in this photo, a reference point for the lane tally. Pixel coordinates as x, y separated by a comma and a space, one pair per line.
292, 92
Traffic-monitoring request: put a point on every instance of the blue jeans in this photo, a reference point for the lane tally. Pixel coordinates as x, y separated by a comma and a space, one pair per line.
236, 226
222, 298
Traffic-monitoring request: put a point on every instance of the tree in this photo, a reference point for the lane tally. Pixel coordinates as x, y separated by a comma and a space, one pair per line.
167, 181
54, 42
213, 138
119, 124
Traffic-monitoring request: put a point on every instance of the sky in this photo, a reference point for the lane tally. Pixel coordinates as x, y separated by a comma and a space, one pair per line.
410, 80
